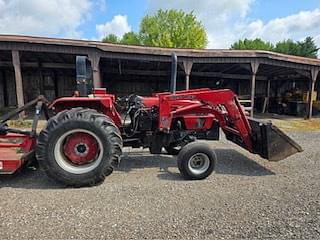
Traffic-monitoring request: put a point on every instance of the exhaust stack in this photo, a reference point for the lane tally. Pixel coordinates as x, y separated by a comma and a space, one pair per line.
174, 66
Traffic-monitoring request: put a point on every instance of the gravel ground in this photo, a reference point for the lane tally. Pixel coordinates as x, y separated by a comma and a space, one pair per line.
246, 198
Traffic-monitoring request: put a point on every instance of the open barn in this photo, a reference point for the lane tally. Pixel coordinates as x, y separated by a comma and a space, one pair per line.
264, 81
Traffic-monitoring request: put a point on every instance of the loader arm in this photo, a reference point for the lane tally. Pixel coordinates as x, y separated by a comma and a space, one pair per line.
254, 135
222, 104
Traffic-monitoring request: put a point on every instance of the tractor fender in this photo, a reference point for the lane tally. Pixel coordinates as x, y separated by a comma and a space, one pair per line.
103, 105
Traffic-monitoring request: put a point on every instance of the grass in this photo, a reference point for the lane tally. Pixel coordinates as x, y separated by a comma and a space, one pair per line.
20, 123
298, 124
25, 124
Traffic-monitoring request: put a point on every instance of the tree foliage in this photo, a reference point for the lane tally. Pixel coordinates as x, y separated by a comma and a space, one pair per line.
287, 47
173, 29
111, 38
131, 38
256, 44
169, 28
306, 48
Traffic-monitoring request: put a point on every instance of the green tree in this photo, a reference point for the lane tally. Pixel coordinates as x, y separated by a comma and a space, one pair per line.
111, 38
173, 29
305, 48
130, 38
288, 47
255, 44
308, 48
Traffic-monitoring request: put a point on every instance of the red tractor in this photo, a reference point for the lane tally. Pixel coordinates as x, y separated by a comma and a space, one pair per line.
84, 136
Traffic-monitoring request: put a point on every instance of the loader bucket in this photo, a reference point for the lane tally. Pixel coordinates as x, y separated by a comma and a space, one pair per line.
270, 142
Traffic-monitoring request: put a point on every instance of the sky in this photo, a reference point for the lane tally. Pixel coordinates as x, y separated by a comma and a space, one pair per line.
226, 21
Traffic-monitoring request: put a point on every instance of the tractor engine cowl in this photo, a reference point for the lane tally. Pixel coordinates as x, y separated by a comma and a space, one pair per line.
149, 102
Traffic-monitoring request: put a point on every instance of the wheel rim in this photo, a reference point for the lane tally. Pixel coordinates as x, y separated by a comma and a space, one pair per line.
199, 163
78, 151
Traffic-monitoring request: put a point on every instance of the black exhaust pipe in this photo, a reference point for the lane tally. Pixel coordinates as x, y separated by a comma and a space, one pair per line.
174, 66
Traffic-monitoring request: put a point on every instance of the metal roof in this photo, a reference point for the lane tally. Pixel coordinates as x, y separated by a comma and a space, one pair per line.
142, 50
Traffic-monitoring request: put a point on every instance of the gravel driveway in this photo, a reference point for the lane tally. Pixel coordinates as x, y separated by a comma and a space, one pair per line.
246, 198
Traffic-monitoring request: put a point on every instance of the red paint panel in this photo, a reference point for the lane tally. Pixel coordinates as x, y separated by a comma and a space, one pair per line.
150, 101
102, 103
9, 161
219, 105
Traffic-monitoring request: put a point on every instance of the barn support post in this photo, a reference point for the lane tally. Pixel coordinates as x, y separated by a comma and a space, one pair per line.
4, 85
187, 66
60, 82
254, 69
56, 84
18, 79
95, 64
41, 79
314, 75
268, 94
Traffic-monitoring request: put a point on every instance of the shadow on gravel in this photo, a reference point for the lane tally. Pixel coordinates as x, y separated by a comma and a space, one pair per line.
233, 162
146, 160
140, 160
229, 162
29, 179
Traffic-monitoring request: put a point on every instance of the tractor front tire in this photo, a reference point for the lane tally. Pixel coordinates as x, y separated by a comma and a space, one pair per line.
196, 161
79, 147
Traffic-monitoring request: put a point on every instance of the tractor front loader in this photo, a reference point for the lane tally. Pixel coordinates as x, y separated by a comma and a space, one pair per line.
84, 136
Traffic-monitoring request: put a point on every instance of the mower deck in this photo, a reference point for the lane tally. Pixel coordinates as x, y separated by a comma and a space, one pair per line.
9, 161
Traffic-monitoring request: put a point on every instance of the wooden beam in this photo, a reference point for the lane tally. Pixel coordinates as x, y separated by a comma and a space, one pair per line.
41, 80
59, 65
187, 66
229, 68
18, 79
314, 76
119, 66
95, 64
36, 65
303, 73
198, 74
228, 76
245, 66
4, 85
22, 64
56, 84
280, 71
254, 68
268, 95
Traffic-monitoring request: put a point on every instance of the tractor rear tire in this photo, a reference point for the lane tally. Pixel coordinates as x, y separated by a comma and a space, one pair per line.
196, 161
79, 147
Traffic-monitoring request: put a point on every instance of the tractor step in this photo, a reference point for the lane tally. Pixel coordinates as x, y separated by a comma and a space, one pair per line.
10, 161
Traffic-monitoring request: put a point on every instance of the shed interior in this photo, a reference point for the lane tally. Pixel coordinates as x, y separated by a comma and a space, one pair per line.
53, 75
